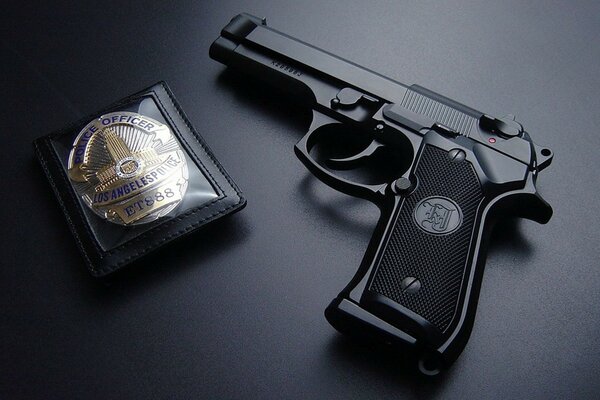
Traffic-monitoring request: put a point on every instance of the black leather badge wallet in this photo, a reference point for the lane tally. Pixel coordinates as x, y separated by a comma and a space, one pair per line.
134, 177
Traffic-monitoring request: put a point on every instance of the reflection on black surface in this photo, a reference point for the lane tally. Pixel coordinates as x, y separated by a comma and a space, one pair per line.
193, 251
340, 212
394, 367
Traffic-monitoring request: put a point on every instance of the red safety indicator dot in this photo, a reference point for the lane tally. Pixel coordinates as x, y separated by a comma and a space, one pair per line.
492, 140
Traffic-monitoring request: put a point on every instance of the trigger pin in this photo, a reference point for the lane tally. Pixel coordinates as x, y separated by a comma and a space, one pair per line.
402, 185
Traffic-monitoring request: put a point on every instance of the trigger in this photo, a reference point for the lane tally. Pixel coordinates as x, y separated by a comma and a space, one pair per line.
351, 162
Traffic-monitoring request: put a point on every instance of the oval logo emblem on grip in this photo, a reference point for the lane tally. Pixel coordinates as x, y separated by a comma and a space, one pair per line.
438, 215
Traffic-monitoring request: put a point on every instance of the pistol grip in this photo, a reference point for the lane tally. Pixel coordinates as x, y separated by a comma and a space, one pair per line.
422, 271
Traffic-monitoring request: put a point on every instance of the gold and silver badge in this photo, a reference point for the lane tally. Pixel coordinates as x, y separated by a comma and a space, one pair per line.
128, 168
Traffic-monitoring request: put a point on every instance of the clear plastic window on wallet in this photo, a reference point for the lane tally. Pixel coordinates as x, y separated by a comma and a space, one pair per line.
131, 172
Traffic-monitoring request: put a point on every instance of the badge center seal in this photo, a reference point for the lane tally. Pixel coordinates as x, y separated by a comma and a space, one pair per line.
129, 167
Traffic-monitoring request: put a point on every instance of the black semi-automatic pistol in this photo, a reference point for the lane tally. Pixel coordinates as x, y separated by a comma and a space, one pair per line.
449, 172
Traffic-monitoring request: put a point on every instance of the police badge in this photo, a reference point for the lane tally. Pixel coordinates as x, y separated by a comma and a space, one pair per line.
128, 168
134, 177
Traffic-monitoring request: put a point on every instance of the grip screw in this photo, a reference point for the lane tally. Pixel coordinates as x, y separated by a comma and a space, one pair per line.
410, 284
456, 155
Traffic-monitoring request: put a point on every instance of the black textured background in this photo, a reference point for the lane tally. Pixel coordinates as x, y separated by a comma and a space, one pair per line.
236, 311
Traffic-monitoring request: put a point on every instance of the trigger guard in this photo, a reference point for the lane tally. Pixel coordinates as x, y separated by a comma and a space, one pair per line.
302, 149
